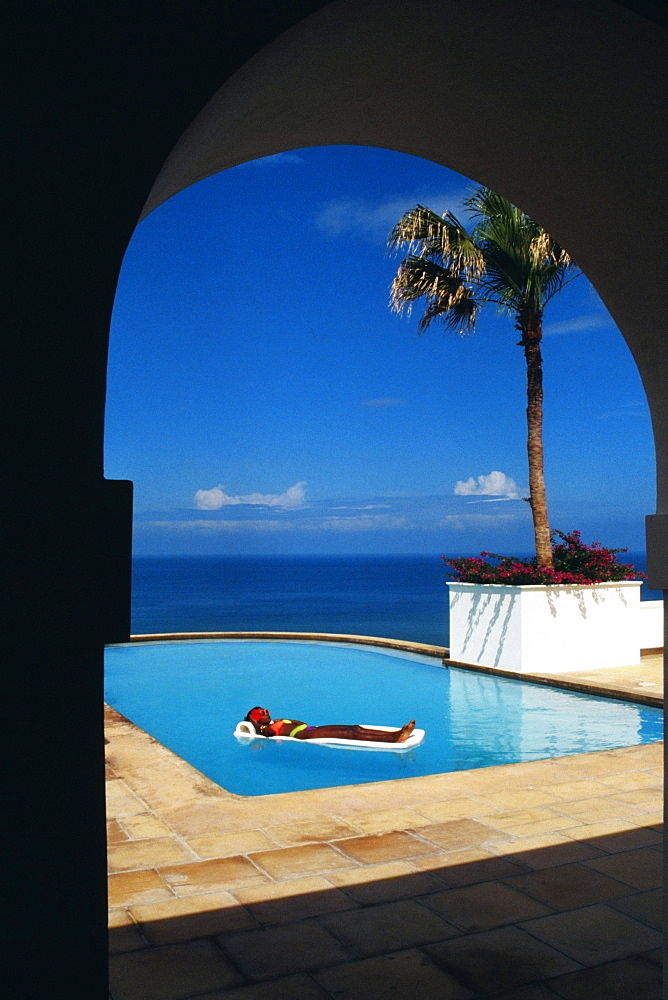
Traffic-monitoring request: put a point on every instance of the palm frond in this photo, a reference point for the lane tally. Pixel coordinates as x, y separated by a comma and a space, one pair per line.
442, 238
446, 294
459, 314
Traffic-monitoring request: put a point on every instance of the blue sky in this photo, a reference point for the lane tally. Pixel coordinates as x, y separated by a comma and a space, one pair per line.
264, 399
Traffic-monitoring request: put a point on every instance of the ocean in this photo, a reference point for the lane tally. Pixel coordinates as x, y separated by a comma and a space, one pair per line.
396, 597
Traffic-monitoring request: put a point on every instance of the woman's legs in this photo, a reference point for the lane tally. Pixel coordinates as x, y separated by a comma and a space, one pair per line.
357, 733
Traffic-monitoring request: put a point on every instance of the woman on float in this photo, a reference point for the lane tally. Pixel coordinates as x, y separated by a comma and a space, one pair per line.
266, 726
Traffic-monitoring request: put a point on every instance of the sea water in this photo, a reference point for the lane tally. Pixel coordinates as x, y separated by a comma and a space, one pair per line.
397, 597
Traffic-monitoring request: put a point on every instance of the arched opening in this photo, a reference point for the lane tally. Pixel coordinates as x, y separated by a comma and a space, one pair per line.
265, 401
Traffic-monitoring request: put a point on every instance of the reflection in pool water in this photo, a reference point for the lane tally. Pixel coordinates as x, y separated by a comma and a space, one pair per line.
190, 695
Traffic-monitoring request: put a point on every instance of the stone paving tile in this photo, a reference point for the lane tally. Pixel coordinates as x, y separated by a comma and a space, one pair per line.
469, 867
598, 810
630, 977
583, 789
224, 845
647, 800
633, 781
644, 906
183, 919
538, 829
166, 790
283, 949
385, 821
132, 854
653, 817
408, 974
294, 899
602, 834
484, 906
528, 993
385, 847
299, 987
629, 840
656, 956
594, 934
306, 831
518, 819
609, 762
196, 819
121, 800
209, 876
145, 826
172, 972
461, 833
308, 859
450, 809
130, 888
516, 799
387, 927
547, 851
385, 882
568, 886
641, 869
115, 832
503, 958
124, 934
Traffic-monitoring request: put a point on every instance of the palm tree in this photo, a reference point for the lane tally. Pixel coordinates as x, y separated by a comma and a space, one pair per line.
506, 259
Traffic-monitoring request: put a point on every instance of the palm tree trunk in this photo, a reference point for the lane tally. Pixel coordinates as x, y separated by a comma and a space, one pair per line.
529, 324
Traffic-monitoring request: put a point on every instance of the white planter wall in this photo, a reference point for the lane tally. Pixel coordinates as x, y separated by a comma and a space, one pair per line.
651, 624
536, 629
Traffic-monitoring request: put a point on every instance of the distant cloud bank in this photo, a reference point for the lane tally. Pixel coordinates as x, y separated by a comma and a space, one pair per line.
369, 522
496, 484
216, 498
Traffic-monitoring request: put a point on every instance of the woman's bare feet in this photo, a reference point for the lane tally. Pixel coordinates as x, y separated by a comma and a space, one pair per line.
406, 731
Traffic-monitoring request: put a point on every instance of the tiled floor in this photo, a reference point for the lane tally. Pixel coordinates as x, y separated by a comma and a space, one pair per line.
528, 881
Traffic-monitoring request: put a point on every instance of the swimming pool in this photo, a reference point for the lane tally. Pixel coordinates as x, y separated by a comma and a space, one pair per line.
189, 695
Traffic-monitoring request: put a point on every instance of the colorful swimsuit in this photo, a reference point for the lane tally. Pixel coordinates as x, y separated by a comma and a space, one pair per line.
277, 725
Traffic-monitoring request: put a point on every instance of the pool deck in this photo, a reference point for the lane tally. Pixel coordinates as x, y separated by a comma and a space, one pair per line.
528, 881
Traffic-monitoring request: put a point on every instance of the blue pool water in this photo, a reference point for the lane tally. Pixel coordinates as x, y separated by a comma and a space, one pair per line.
190, 695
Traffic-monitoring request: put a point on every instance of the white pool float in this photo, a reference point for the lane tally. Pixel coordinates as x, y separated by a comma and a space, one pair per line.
246, 730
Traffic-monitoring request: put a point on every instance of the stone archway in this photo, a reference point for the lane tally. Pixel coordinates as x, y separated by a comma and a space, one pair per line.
103, 94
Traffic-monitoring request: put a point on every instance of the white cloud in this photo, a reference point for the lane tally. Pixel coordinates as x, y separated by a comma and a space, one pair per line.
363, 217
216, 498
383, 402
469, 522
579, 324
638, 408
496, 484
